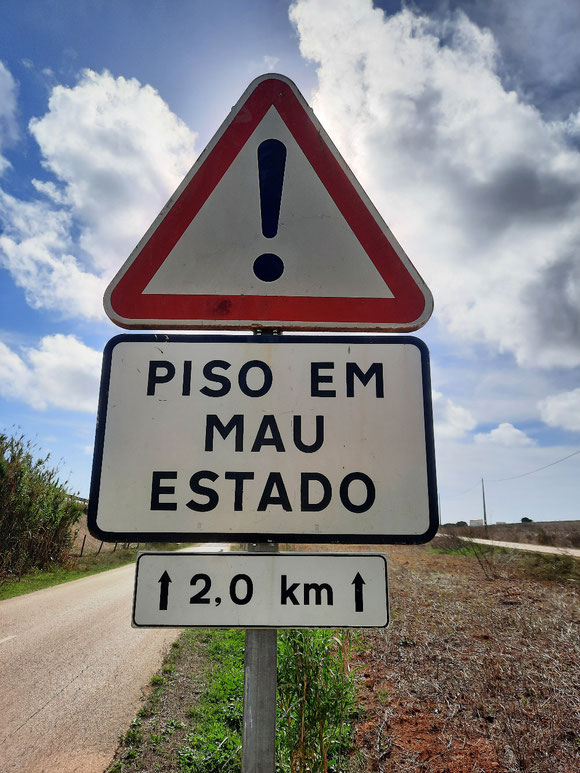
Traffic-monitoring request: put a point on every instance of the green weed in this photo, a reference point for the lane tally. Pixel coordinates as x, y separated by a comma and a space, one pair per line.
215, 743
133, 736
172, 726
316, 700
551, 567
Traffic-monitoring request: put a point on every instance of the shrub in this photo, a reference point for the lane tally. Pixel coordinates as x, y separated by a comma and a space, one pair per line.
36, 512
316, 700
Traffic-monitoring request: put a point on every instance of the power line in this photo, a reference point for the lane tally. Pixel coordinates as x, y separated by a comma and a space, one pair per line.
462, 493
531, 472
513, 477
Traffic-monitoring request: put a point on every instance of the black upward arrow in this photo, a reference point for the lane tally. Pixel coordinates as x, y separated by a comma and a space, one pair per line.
165, 579
358, 583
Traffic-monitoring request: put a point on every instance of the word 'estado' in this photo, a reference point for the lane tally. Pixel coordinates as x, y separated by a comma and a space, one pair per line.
356, 491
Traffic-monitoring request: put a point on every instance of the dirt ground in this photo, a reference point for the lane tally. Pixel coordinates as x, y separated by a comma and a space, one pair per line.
478, 671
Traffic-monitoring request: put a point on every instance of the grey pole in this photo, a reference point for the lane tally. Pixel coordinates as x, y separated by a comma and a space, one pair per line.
259, 722
484, 509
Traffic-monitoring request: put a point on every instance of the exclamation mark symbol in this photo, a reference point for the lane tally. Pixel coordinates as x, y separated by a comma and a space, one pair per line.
271, 164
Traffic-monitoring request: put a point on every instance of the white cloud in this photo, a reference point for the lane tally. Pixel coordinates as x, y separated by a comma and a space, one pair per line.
505, 435
562, 410
118, 152
481, 190
8, 124
61, 373
36, 247
115, 153
270, 62
450, 420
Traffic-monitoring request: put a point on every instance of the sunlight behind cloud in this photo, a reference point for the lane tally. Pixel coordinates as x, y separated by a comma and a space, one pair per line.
482, 191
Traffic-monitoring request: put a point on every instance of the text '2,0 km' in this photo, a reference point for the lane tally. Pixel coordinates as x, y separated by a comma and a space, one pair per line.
279, 590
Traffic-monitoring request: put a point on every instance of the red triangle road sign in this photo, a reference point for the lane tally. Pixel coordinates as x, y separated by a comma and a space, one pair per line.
270, 228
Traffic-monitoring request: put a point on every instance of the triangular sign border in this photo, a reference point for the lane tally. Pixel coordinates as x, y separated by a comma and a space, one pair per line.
409, 309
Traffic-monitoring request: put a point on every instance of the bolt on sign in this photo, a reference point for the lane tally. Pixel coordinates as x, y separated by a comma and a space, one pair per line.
257, 438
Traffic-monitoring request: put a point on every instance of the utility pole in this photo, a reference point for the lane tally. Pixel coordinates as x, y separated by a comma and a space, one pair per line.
484, 510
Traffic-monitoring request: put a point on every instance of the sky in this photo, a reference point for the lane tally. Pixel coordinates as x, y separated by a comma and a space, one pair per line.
461, 120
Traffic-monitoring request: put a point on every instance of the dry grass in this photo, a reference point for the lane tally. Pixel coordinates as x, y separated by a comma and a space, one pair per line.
474, 674
563, 534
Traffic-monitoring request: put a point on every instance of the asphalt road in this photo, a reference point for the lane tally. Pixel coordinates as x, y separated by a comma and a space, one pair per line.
72, 673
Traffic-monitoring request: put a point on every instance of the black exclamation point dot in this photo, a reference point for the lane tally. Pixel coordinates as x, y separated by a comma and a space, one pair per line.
271, 164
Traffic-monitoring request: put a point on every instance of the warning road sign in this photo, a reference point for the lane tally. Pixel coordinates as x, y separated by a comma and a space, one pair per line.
269, 228
260, 438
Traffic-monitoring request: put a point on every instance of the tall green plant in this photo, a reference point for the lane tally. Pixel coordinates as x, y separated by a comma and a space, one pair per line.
316, 699
36, 512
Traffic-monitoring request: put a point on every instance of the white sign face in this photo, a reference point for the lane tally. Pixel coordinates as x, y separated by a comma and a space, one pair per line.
342, 268
257, 438
261, 590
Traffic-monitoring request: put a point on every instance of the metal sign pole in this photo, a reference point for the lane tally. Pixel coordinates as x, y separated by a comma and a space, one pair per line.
259, 721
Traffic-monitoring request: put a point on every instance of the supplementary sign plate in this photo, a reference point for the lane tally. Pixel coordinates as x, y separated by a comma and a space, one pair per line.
261, 590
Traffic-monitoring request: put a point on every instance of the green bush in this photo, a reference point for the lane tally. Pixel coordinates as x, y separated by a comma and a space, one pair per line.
36, 512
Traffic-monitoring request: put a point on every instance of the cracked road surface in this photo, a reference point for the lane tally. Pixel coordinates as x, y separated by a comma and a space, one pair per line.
72, 672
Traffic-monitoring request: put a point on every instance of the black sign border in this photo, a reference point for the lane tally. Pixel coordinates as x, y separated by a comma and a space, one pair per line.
245, 537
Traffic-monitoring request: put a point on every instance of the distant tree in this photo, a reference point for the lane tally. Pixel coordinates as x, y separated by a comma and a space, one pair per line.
461, 523
525, 519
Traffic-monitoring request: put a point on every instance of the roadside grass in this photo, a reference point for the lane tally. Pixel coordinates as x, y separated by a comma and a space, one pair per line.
77, 569
192, 720
316, 700
497, 561
564, 534
214, 742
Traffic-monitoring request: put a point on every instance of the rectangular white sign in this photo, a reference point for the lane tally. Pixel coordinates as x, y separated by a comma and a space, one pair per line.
261, 590
257, 438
